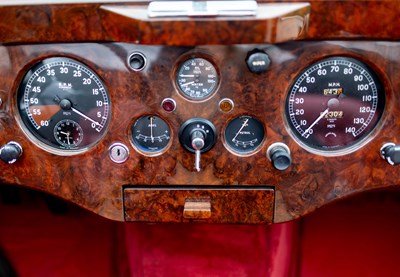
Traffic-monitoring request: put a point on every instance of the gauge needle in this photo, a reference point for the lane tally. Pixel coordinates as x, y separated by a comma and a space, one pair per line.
186, 76
67, 134
241, 128
316, 121
85, 116
186, 84
151, 129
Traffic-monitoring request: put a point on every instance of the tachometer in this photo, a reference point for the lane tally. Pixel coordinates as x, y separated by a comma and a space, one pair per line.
334, 104
63, 105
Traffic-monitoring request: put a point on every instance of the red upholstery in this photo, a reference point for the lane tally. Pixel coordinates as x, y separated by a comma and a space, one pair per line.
357, 237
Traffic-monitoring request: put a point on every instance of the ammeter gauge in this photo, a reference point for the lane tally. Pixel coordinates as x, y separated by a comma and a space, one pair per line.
150, 134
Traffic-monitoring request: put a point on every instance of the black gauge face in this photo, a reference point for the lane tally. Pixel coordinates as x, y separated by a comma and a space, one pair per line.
68, 133
334, 104
197, 78
244, 134
63, 105
151, 134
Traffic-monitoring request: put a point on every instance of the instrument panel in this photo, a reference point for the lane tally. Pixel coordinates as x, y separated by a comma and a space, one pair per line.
309, 126
332, 105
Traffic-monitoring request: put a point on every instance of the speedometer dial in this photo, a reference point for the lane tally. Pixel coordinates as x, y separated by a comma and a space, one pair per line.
63, 105
334, 104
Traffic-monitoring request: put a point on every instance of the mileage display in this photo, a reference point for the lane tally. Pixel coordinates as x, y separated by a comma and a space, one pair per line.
334, 104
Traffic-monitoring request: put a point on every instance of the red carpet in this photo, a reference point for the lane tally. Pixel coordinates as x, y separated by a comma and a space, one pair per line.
356, 237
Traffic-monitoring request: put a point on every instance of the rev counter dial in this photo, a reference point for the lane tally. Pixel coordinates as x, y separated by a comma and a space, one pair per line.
334, 104
197, 78
63, 105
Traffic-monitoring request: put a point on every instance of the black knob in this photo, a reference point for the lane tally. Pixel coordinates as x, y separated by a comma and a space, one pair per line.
197, 135
391, 153
258, 61
10, 152
279, 154
193, 131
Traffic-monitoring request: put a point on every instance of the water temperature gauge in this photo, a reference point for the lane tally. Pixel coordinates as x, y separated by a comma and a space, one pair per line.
197, 79
244, 135
151, 134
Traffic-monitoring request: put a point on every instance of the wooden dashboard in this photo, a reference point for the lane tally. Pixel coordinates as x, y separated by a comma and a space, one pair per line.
229, 188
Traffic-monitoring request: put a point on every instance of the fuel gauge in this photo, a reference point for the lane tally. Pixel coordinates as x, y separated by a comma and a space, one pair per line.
151, 134
244, 134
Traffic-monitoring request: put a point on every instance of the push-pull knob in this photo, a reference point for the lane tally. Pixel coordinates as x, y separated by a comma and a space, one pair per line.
279, 155
197, 135
10, 152
391, 153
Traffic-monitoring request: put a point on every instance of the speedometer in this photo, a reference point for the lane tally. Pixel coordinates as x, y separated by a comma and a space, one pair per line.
334, 104
63, 105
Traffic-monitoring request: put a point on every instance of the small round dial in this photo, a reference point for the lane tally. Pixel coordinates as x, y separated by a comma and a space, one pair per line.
244, 134
197, 78
68, 133
151, 134
334, 104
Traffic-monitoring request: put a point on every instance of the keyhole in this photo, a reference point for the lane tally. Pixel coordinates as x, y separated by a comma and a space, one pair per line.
119, 153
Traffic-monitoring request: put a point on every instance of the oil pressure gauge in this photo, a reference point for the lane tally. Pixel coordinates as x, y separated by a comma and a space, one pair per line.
243, 135
150, 134
197, 78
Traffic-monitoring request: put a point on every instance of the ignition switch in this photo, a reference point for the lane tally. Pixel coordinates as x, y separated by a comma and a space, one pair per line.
197, 135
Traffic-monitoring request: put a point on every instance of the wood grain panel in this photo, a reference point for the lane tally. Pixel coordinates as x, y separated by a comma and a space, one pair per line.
228, 205
336, 19
93, 181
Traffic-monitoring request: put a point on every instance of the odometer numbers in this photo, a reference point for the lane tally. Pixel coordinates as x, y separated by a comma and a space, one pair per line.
334, 104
